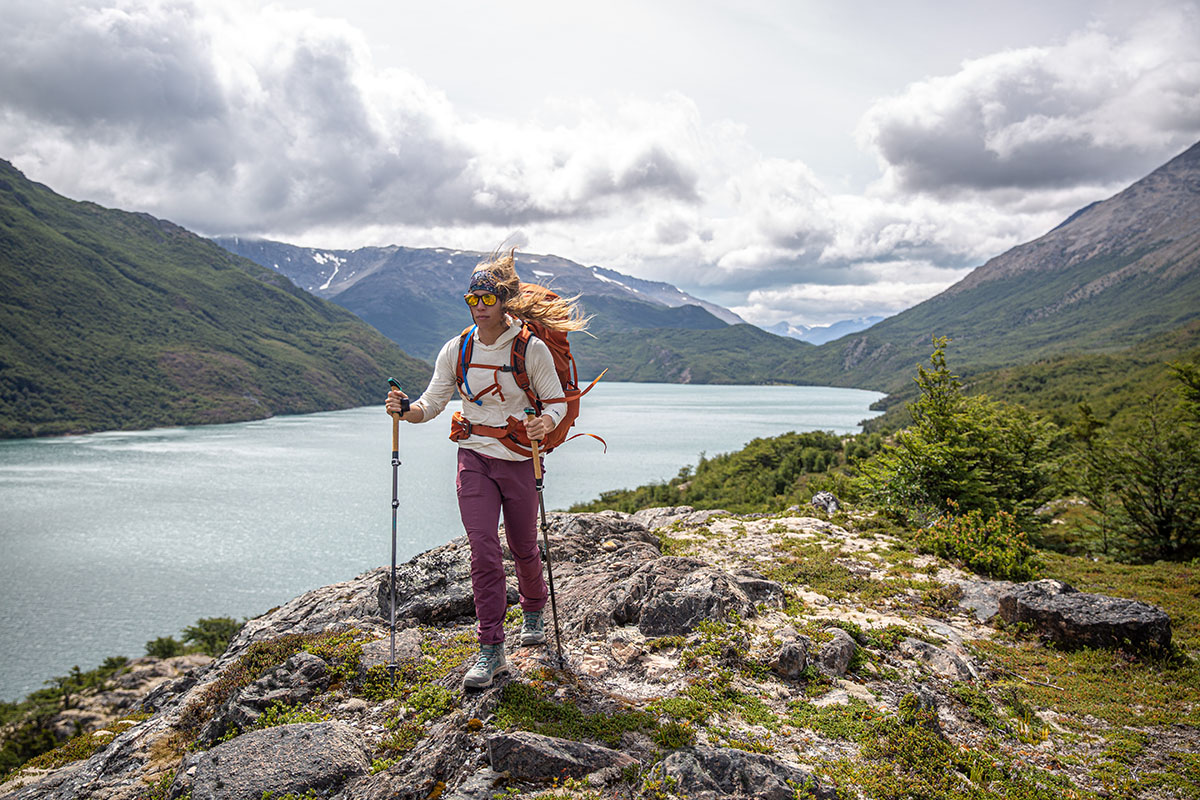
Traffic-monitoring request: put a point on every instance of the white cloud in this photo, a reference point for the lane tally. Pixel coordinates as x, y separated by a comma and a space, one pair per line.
230, 117
1099, 108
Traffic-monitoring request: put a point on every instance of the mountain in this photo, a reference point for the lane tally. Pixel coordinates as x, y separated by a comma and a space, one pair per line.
644, 330
1112, 274
116, 320
820, 334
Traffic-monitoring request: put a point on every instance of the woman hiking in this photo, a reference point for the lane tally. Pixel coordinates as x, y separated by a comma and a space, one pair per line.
493, 477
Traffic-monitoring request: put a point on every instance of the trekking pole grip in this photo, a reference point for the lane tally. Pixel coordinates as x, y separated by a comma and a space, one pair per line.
395, 384
533, 443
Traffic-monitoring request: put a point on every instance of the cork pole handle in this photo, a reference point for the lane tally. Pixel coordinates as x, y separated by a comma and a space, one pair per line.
533, 444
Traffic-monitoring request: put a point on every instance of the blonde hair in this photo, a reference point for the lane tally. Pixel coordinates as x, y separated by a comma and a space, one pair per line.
528, 301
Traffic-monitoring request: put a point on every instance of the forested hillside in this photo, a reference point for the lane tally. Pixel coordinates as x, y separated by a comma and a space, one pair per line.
115, 320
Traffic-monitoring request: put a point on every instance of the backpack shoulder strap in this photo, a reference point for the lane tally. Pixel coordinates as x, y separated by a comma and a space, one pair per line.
466, 344
520, 347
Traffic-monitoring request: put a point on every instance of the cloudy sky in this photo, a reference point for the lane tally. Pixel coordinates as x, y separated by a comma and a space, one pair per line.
791, 159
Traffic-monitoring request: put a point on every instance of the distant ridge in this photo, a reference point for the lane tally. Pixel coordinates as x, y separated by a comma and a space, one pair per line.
116, 320
645, 330
1113, 273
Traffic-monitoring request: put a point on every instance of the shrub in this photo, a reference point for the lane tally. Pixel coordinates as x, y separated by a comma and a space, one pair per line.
211, 635
164, 647
981, 454
993, 545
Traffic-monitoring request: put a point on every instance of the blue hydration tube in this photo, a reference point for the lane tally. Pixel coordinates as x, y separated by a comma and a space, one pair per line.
462, 359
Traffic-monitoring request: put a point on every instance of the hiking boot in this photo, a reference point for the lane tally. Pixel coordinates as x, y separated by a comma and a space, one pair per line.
533, 631
490, 664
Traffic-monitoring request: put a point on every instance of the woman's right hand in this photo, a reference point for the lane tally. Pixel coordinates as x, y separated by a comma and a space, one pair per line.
394, 406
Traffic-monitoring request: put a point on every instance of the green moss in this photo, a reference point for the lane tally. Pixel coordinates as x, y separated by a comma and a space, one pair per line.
674, 735
812, 566
979, 705
82, 746
279, 714
855, 721
527, 707
341, 651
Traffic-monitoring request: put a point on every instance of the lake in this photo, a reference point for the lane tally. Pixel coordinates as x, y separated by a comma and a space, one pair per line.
109, 540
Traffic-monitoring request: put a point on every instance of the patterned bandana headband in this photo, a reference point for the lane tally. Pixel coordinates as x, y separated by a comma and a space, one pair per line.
485, 280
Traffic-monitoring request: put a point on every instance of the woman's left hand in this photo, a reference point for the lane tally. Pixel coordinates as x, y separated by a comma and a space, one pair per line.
538, 427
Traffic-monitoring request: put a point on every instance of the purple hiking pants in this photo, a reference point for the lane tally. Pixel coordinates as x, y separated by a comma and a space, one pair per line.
486, 487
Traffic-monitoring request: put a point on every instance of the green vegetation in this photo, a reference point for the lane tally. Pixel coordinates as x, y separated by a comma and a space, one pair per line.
993, 546
766, 475
210, 636
982, 455
26, 723
526, 706
965, 478
115, 320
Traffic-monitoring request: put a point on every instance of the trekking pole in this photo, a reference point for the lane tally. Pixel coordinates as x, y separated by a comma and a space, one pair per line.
537, 476
391, 667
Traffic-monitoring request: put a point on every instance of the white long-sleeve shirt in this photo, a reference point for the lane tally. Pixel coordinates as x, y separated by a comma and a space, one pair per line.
495, 411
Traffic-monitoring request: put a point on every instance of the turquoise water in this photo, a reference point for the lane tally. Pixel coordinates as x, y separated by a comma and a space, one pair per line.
109, 540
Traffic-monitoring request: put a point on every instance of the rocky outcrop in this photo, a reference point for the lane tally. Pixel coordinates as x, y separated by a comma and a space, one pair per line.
833, 658
1059, 613
708, 773
706, 659
826, 501
532, 757
291, 758
298, 680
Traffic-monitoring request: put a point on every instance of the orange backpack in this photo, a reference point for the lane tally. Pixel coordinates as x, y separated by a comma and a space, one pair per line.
513, 435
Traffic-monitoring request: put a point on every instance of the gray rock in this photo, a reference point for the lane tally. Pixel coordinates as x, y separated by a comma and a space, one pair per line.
714, 773
942, 662
290, 758
484, 784
1073, 619
446, 757
833, 658
826, 501
408, 648
432, 587
791, 659
296, 681
653, 518
533, 757
672, 595
982, 598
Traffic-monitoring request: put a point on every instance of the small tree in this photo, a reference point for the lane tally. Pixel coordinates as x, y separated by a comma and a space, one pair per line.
983, 455
211, 635
1156, 473
1091, 468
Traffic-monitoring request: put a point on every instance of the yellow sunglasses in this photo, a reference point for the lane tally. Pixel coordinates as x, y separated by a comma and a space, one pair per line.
488, 299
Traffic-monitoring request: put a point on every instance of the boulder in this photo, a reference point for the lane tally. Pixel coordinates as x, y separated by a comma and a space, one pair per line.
447, 757
533, 757
792, 657
713, 773
833, 658
1059, 613
939, 661
290, 758
434, 587
982, 597
666, 597
826, 501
